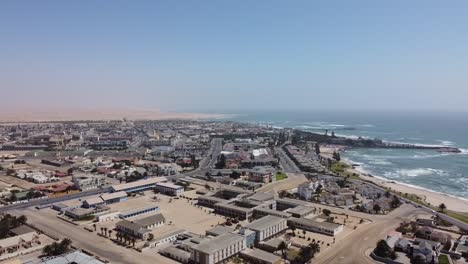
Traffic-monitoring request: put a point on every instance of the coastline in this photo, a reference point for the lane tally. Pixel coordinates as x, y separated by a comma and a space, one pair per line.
434, 198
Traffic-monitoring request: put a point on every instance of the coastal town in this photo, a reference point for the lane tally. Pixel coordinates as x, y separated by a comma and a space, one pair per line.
187, 191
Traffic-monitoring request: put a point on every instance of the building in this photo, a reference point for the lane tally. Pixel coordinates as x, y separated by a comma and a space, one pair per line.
218, 249
257, 256
307, 189
139, 211
76, 257
116, 197
88, 182
151, 221
267, 227
133, 229
326, 228
300, 211
20, 244
138, 186
219, 230
169, 188
93, 202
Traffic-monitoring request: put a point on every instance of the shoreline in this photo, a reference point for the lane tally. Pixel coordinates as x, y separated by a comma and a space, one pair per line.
432, 197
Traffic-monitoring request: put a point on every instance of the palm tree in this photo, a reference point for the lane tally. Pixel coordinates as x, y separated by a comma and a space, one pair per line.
442, 207
133, 241
315, 247
94, 226
105, 231
102, 230
110, 233
282, 246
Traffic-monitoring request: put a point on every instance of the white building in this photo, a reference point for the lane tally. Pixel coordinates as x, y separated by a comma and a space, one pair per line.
88, 182
267, 227
307, 190
169, 188
218, 249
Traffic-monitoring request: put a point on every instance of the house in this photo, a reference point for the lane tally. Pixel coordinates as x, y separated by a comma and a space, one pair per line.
88, 182
16, 245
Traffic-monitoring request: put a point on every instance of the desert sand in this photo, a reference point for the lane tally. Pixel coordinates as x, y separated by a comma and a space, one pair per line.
69, 114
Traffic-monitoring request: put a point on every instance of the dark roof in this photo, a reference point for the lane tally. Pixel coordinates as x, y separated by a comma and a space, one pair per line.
22, 229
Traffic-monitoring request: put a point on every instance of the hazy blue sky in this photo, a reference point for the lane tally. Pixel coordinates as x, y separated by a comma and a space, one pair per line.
198, 55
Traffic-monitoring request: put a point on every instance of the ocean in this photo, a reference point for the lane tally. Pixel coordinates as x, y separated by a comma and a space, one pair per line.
427, 169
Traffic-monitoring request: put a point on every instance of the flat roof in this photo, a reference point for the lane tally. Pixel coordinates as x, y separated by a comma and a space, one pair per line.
261, 255
169, 185
268, 210
136, 210
219, 230
310, 222
301, 209
265, 222
220, 242
261, 197
110, 196
135, 184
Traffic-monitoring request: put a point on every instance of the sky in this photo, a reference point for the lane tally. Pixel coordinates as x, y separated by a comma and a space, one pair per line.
223, 56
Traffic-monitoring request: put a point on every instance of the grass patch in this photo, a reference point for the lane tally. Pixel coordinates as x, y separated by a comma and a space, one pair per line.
281, 176
457, 215
292, 254
341, 169
443, 259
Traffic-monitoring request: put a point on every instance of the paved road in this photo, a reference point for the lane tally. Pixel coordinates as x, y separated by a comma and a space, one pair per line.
52, 200
51, 225
205, 165
356, 247
286, 162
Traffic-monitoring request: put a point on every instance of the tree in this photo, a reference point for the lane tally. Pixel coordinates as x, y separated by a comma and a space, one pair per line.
326, 212
283, 246
235, 175
383, 250
336, 156
221, 162
110, 233
94, 226
317, 148
377, 208
395, 202
150, 236
442, 207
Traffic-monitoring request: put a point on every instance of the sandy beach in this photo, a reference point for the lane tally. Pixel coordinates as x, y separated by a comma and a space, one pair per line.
434, 198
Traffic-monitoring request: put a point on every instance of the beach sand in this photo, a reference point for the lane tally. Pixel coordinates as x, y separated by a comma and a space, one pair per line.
434, 198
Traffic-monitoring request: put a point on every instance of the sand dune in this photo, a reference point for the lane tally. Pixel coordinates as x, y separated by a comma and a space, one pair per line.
40, 114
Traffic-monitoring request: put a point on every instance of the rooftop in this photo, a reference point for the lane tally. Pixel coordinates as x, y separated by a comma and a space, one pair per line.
264, 222
220, 242
135, 184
